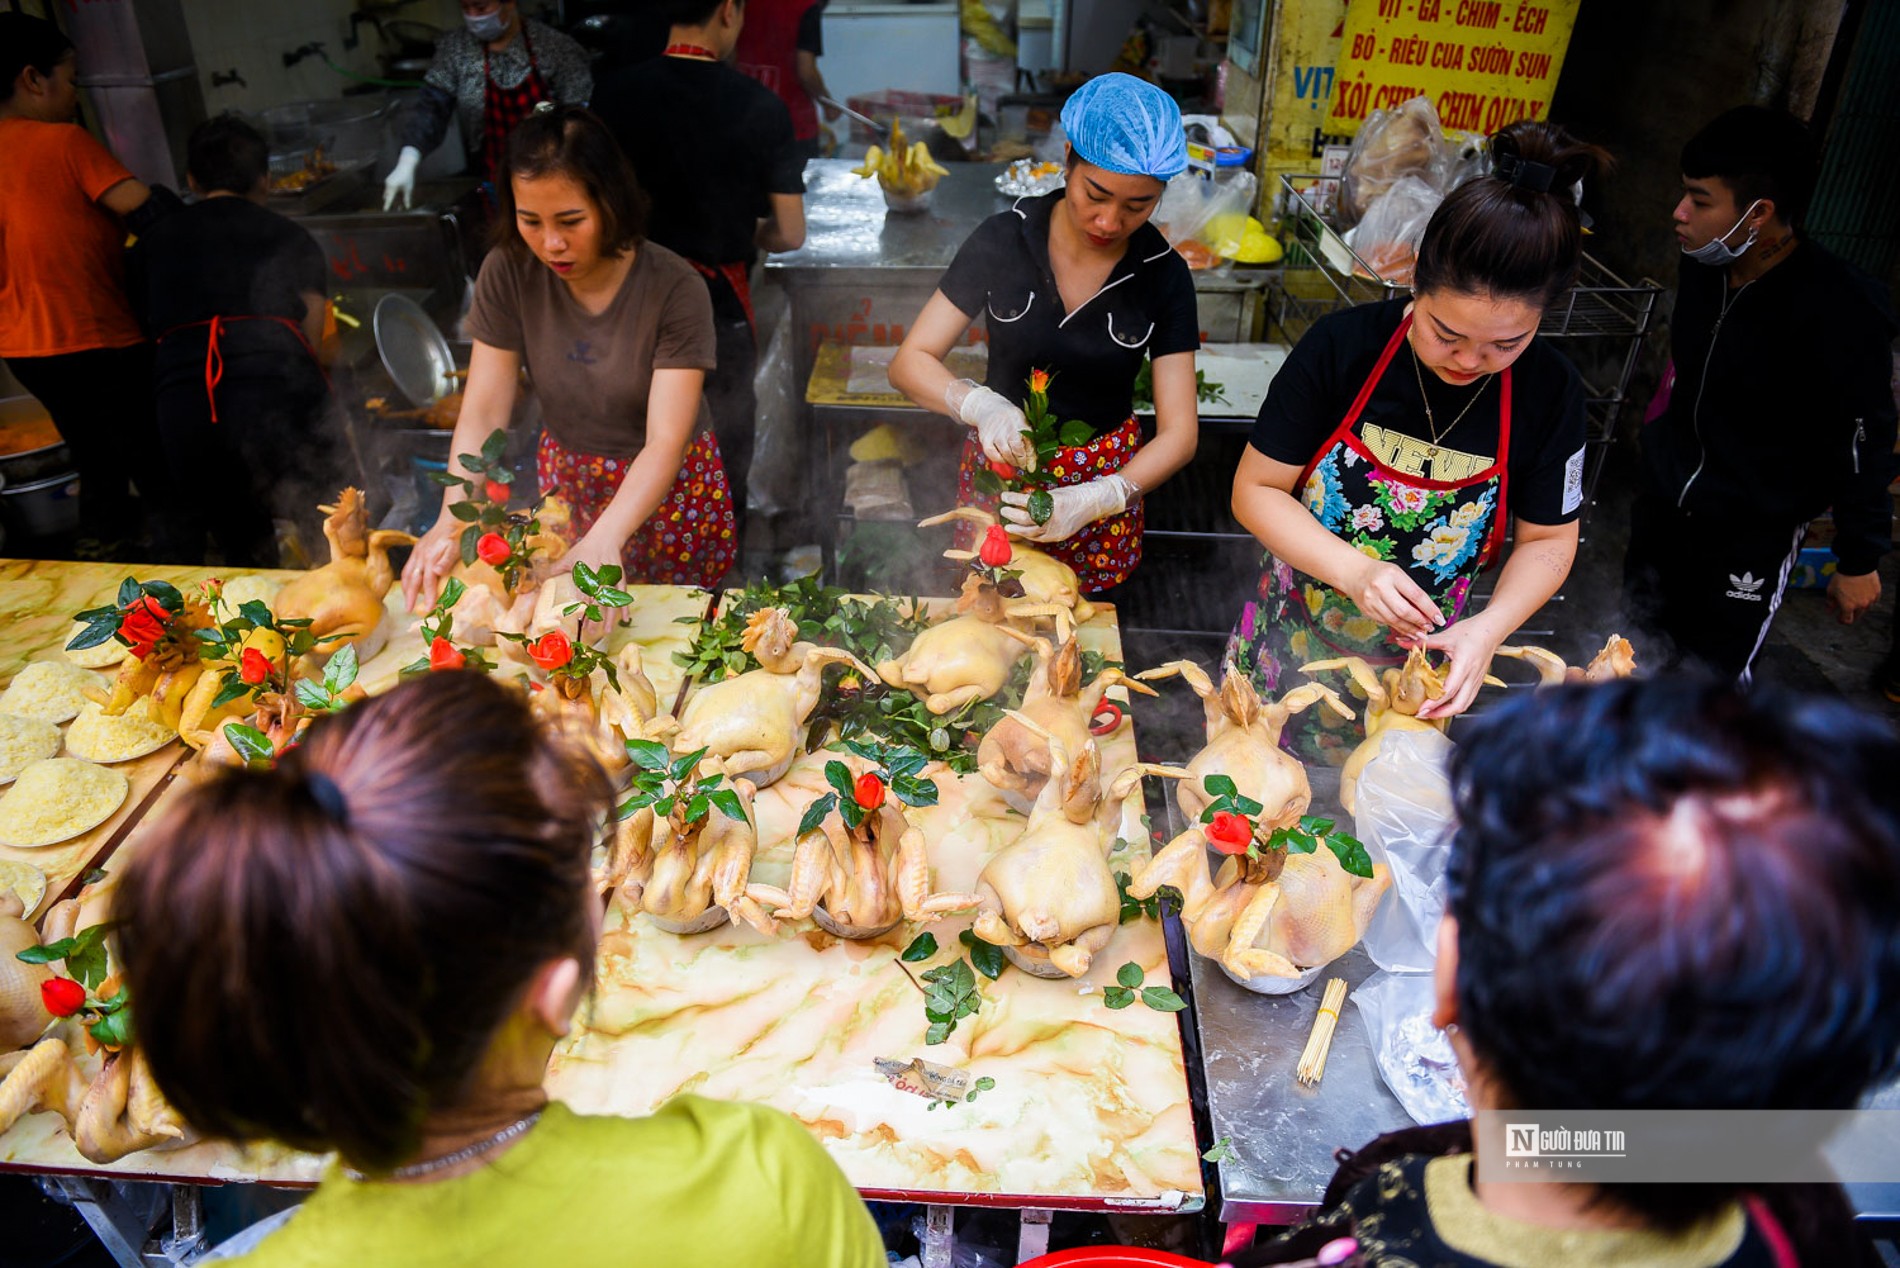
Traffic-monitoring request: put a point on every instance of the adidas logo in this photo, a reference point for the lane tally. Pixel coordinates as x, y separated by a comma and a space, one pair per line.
1747, 586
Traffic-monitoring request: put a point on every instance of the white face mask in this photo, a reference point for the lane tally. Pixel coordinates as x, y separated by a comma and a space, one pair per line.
1717, 250
487, 26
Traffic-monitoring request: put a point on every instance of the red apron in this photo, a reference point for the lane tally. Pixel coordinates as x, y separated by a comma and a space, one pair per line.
1104, 553
768, 52
1442, 532
503, 108
689, 540
214, 356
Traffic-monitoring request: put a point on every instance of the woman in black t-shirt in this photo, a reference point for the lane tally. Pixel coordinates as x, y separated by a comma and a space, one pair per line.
1077, 287
1398, 437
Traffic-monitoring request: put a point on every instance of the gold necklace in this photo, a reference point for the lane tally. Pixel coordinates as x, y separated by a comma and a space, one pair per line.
1432, 423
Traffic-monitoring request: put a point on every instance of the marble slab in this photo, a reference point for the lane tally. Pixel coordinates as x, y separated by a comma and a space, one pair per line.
1090, 1106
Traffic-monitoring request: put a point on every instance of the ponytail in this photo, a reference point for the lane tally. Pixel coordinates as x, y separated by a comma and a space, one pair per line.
1516, 233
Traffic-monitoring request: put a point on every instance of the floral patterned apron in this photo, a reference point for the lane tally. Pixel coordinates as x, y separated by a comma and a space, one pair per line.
1443, 532
689, 538
1104, 553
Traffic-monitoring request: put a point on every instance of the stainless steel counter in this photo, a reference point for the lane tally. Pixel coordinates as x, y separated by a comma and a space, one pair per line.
846, 225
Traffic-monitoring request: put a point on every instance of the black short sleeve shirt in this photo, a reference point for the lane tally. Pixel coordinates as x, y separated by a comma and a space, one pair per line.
1146, 308
1314, 389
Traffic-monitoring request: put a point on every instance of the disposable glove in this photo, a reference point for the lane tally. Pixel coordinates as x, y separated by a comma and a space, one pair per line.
1000, 427
401, 181
1076, 507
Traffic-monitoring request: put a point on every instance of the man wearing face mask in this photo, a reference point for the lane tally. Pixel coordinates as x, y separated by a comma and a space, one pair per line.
1782, 406
490, 74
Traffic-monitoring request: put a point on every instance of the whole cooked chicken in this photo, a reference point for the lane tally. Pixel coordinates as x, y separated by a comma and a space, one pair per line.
117, 1112
1392, 704
1616, 660
754, 723
1243, 743
968, 657
860, 882
165, 677
1047, 898
1015, 759
488, 606
691, 877
1044, 578
602, 721
345, 596
1271, 913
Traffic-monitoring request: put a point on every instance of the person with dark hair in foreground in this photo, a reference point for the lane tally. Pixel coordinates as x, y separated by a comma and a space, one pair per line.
1400, 439
1663, 895
724, 189
617, 332
234, 295
372, 949
67, 330
1782, 405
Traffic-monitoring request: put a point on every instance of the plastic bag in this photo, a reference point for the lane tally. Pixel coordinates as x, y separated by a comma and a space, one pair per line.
778, 460
1387, 237
1414, 1057
1404, 813
1391, 145
1204, 219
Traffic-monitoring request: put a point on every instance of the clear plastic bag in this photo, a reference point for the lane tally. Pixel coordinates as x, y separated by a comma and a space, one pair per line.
1404, 815
1205, 219
1387, 238
1391, 145
1414, 1057
778, 459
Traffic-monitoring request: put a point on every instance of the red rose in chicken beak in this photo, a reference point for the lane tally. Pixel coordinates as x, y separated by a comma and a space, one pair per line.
869, 791
995, 550
551, 650
493, 549
143, 625
444, 655
62, 996
1230, 833
254, 667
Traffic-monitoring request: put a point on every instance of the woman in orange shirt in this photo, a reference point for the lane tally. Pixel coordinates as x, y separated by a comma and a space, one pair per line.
67, 330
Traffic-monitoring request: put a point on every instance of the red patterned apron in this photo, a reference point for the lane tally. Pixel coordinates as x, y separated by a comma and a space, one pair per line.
503, 108
1104, 553
689, 540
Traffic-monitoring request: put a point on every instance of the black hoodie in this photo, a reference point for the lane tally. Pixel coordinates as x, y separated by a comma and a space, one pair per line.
1783, 405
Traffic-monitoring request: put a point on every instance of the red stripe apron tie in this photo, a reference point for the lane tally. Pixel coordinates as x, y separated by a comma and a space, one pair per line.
214, 352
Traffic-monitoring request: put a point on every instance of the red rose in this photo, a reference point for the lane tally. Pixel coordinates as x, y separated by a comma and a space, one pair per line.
1230, 833
493, 549
62, 996
551, 650
143, 624
496, 491
254, 667
869, 791
1002, 470
443, 655
995, 551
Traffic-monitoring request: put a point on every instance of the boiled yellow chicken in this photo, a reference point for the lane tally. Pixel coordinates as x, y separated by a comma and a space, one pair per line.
23, 1017
1616, 660
1392, 704
534, 606
860, 882
599, 718
1047, 898
165, 678
345, 596
1015, 759
1273, 916
754, 722
117, 1112
692, 877
1045, 579
1243, 743
199, 720
906, 170
966, 658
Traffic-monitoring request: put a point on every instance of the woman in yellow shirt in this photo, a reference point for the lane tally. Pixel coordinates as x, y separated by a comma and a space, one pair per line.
372, 949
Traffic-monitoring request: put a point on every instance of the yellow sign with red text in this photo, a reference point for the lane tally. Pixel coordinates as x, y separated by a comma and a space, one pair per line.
1481, 63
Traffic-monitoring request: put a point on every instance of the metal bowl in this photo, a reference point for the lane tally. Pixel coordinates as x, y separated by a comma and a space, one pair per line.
35, 464
413, 350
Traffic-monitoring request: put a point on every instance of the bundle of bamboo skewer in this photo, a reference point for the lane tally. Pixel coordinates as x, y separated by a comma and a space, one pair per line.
1313, 1060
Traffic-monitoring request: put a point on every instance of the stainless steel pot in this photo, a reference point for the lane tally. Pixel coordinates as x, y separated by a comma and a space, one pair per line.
44, 508
35, 464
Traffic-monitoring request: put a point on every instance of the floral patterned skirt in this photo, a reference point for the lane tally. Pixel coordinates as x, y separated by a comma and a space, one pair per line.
689, 540
1104, 553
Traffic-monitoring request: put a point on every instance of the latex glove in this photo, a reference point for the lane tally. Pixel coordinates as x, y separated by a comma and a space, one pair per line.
1470, 644
402, 178
1000, 427
1076, 507
1851, 596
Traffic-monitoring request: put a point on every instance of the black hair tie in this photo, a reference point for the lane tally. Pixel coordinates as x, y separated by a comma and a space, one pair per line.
329, 798
1523, 173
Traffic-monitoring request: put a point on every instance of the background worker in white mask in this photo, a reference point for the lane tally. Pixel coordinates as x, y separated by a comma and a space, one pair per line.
1782, 405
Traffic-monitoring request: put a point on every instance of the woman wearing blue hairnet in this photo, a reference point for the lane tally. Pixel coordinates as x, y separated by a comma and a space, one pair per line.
1077, 288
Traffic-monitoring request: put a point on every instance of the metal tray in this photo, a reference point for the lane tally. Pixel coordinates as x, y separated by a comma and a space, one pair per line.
413, 350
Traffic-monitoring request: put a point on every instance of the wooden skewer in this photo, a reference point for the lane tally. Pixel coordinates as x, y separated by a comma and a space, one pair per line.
1313, 1059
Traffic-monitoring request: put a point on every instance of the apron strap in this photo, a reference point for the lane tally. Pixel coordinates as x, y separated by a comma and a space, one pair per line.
1351, 419
214, 352
1494, 540
736, 276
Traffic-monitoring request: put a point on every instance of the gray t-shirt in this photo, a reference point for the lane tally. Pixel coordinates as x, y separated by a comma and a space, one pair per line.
593, 372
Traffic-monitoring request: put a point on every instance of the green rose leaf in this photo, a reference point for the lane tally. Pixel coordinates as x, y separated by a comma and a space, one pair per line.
938, 1032
250, 744
1041, 506
921, 948
1220, 786
467, 512
1117, 997
1075, 433
727, 803
1351, 854
913, 791
1130, 975
1162, 1000
648, 755
815, 813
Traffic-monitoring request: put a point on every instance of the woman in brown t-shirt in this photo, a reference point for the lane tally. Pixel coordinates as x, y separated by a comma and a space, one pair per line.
617, 336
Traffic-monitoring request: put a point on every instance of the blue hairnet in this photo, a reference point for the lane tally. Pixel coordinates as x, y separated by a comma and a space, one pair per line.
1126, 125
